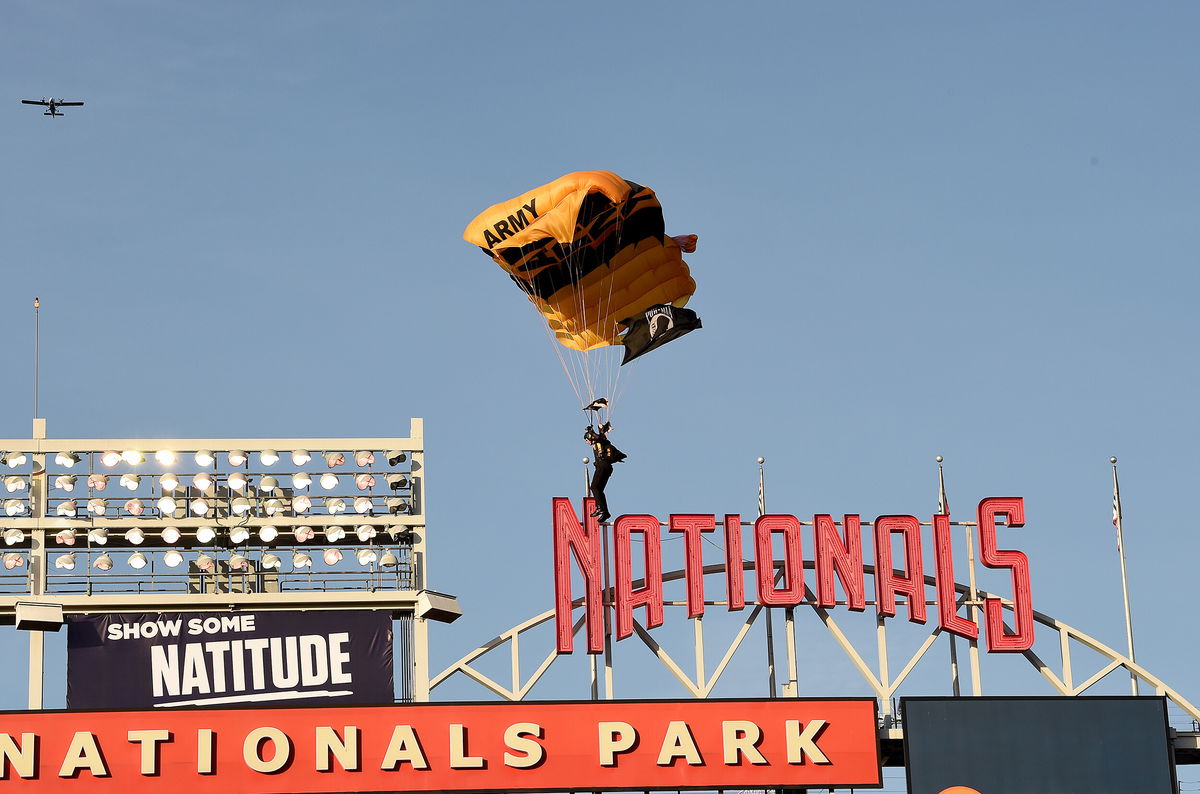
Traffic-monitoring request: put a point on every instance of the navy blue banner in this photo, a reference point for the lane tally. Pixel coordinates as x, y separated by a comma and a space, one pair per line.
165, 659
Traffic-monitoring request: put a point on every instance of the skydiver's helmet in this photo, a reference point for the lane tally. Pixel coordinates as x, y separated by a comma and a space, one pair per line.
589, 435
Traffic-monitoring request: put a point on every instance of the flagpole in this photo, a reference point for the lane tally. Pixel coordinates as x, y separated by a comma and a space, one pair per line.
1124, 579
944, 510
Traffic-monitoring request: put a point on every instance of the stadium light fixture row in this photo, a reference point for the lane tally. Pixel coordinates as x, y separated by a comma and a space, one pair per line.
204, 561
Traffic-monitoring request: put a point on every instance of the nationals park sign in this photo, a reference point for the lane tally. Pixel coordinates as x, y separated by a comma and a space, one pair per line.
837, 556
525, 746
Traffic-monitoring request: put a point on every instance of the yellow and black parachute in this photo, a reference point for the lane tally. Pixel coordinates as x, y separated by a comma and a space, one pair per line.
591, 252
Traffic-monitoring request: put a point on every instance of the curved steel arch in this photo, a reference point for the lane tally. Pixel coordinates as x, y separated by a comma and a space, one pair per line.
700, 685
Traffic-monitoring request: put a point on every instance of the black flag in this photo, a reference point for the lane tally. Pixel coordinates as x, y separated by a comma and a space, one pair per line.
655, 327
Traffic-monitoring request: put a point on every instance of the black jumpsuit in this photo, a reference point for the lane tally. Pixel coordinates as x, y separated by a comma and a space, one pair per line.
606, 455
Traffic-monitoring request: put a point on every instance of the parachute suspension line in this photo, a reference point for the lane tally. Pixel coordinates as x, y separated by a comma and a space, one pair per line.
551, 338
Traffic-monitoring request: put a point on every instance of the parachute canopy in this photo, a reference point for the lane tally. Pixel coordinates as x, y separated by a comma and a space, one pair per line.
589, 250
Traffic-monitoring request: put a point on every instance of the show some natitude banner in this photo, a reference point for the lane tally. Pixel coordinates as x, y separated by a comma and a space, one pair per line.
165, 659
526, 746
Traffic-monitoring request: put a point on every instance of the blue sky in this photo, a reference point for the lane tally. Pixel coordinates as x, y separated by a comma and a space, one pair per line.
924, 229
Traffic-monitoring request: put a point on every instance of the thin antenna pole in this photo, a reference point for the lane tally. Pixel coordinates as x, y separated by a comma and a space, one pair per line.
1124, 581
37, 353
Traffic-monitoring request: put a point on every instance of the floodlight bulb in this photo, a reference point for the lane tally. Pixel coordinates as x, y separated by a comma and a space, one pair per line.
268, 457
98, 535
199, 506
110, 458
167, 505
332, 556
69, 508
364, 481
395, 456
103, 562
171, 535
273, 507
329, 481
203, 561
388, 560
238, 562
237, 481
301, 480
166, 457
13, 536
205, 457
240, 506
67, 459
300, 457
366, 556
130, 481
301, 560
135, 536
168, 482
98, 482
364, 457
334, 533
65, 537
268, 484
133, 457
237, 457
267, 533
301, 504
239, 535
205, 534
134, 507
203, 481
14, 483
14, 507
137, 561
395, 506
304, 533
13, 560
397, 481
172, 558
335, 506
365, 532
334, 459
270, 561
97, 507
66, 561
65, 482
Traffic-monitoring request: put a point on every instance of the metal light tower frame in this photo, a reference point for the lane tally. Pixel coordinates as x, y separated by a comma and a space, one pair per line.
389, 514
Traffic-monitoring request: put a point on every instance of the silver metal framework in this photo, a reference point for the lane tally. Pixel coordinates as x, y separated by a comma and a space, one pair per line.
529, 654
239, 520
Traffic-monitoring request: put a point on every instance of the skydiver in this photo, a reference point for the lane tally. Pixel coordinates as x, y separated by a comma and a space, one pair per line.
605, 455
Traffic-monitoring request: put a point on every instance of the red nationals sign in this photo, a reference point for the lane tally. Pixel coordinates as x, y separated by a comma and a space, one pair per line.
594, 745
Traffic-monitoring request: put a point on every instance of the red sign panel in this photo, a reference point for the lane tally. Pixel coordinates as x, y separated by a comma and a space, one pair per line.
594, 745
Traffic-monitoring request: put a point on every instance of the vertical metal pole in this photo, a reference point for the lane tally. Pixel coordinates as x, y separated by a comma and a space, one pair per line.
593, 665
608, 607
973, 645
37, 568
1124, 581
954, 667
885, 695
420, 649
792, 688
762, 509
37, 353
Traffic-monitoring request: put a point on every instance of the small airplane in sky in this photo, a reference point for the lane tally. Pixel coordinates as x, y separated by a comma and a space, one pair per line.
53, 104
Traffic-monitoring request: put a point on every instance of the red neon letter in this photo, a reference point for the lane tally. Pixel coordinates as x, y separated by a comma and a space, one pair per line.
735, 575
943, 557
843, 557
691, 526
792, 592
651, 594
1013, 511
887, 582
571, 538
